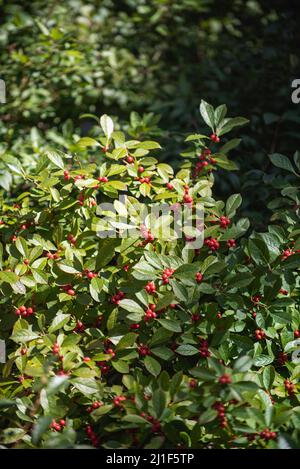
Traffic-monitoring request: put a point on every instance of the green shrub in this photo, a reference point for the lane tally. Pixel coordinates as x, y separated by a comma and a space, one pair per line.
141, 341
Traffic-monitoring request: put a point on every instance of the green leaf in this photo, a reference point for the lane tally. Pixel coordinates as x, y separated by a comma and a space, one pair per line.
243, 364
230, 123
159, 402
8, 277
187, 350
120, 366
22, 246
282, 162
220, 113
39, 428
24, 335
107, 125
86, 386
131, 306
207, 113
170, 325
152, 366
87, 142
55, 158
58, 322
268, 377
263, 360
95, 287
232, 204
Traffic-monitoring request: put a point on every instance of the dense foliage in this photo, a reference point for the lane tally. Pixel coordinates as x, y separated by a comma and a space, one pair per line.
141, 341
60, 59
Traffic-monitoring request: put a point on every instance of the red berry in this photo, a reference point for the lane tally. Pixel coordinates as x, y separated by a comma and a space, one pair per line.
199, 277
215, 138
169, 186
71, 292
225, 379
141, 169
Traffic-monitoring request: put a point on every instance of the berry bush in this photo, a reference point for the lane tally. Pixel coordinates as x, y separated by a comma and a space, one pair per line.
142, 341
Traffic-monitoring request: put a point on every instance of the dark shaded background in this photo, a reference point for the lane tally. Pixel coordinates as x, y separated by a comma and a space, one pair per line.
62, 59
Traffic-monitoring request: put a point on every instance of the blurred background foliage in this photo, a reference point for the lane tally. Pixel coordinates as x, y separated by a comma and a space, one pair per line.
157, 58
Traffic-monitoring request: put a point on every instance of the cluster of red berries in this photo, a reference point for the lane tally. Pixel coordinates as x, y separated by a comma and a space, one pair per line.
104, 367
268, 435
156, 425
90, 274
67, 176
110, 351
81, 198
49, 255
256, 299
55, 349
146, 180
80, 327
220, 408
167, 273
24, 312
117, 297
224, 222
187, 199
118, 400
214, 138
71, 239
212, 243
92, 436
150, 313
195, 317
79, 177
150, 288
147, 235
290, 387
95, 405
287, 253
102, 179
198, 168
203, 350
204, 161
259, 334
231, 243
68, 289
199, 277
57, 426
144, 350
282, 358
225, 379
